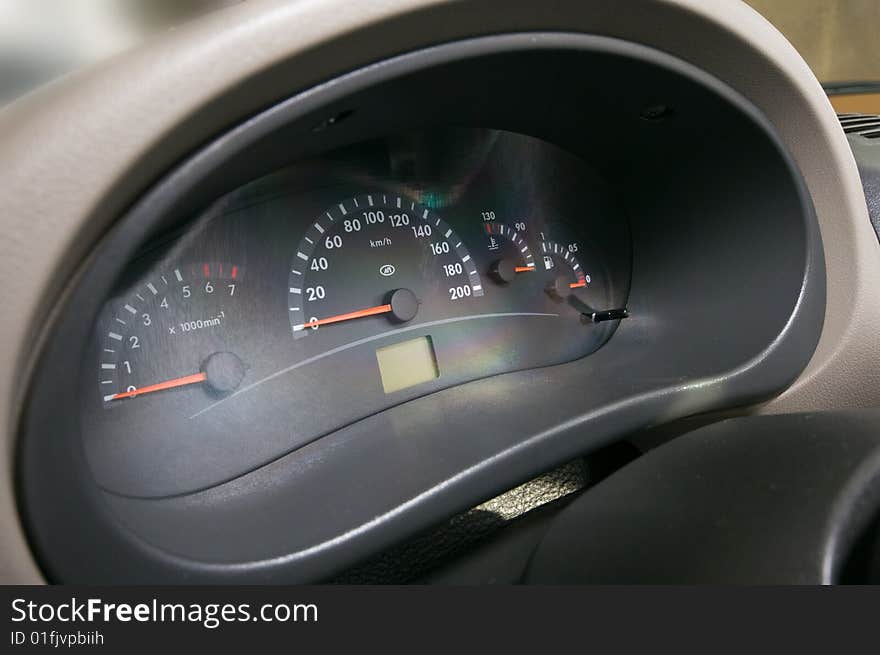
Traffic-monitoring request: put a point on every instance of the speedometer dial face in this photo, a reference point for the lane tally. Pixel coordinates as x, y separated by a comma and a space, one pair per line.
375, 261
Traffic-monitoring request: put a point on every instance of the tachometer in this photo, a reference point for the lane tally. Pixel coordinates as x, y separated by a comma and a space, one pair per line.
170, 332
375, 260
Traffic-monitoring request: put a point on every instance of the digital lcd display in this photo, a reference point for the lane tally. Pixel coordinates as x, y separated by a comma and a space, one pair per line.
406, 364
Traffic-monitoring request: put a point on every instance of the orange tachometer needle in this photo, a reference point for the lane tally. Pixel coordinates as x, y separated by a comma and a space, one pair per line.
370, 311
168, 384
523, 269
577, 285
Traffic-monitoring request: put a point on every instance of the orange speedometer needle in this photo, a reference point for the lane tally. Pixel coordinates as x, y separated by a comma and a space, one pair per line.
370, 311
168, 384
523, 269
577, 285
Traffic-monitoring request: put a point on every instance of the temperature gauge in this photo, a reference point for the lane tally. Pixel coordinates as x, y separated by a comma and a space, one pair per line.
511, 253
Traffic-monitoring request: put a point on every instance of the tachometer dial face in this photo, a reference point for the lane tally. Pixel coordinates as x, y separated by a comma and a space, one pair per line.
173, 334
372, 262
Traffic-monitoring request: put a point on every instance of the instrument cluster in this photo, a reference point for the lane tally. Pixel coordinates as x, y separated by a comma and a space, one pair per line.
340, 286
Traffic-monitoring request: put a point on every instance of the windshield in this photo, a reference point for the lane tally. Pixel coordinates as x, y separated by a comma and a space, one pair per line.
41, 40
839, 39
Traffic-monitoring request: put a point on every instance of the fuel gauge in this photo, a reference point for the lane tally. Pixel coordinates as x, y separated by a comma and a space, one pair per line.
570, 283
561, 261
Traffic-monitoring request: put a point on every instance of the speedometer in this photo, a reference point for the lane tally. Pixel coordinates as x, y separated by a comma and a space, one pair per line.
375, 260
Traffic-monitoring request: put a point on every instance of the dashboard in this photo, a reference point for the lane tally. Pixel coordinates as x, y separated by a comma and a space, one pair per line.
328, 291
333, 296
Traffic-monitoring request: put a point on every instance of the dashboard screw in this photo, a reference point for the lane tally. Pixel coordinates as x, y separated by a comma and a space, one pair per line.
656, 113
333, 120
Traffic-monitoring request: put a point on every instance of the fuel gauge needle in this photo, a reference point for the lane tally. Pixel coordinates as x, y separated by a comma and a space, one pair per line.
161, 386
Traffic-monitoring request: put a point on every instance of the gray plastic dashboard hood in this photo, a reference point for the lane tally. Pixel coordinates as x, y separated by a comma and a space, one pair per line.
75, 155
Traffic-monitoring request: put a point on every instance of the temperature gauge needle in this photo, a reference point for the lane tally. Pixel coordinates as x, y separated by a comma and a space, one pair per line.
161, 386
577, 285
505, 270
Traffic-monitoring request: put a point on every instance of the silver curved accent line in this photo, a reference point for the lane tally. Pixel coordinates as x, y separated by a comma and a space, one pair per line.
359, 342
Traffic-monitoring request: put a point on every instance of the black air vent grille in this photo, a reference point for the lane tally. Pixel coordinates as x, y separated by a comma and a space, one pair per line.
866, 125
